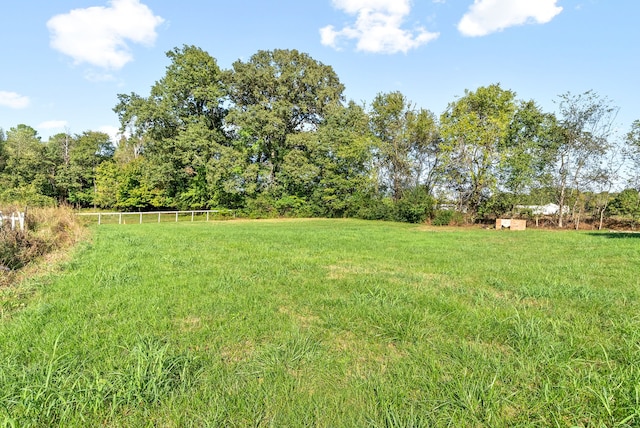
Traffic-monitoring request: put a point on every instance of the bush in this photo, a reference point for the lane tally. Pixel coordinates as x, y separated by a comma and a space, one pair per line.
375, 209
260, 207
293, 206
447, 217
17, 248
626, 204
415, 206
26, 196
496, 205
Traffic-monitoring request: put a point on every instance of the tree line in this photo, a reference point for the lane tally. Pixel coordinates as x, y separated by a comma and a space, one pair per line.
274, 135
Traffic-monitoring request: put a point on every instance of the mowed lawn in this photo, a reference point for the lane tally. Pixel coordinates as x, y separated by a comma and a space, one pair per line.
328, 323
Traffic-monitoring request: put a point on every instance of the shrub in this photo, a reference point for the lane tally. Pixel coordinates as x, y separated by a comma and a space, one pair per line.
447, 217
26, 196
626, 204
293, 206
375, 209
260, 207
496, 205
415, 206
17, 248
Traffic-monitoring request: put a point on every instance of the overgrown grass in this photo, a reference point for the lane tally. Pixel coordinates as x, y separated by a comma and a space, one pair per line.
46, 230
329, 323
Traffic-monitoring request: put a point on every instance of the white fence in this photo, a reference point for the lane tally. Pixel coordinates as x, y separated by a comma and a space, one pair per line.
16, 219
157, 216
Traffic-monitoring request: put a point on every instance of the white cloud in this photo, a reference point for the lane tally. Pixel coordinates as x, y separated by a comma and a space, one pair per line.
112, 131
100, 35
13, 100
378, 27
53, 124
488, 16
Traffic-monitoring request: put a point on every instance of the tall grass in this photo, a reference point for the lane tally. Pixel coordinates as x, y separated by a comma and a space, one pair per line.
329, 323
46, 230
48, 235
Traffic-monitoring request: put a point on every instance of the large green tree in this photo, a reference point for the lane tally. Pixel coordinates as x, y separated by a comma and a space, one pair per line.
191, 91
74, 160
580, 141
128, 186
179, 125
408, 149
275, 95
339, 156
524, 153
474, 129
26, 164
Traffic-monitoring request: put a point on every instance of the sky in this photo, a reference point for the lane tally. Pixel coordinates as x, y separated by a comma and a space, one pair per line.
65, 61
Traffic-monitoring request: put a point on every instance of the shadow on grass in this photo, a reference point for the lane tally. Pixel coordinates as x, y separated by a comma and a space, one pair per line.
616, 235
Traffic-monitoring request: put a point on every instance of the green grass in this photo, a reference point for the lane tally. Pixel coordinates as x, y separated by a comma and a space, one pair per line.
328, 323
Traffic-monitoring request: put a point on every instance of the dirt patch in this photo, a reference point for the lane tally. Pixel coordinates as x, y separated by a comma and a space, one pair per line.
238, 352
305, 320
190, 323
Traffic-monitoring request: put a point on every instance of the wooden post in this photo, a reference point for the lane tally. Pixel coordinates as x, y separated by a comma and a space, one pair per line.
192, 212
207, 215
158, 217
99, 218
176, 216
119, 218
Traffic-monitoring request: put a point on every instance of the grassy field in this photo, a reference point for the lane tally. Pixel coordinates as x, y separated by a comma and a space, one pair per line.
327, 323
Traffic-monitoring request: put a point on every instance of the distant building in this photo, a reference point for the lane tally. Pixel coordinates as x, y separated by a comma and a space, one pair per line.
549, 209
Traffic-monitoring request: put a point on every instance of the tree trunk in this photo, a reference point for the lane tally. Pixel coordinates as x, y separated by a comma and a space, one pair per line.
561, 209
601, 217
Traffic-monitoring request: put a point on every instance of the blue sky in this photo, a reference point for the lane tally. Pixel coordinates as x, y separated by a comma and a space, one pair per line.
65, 61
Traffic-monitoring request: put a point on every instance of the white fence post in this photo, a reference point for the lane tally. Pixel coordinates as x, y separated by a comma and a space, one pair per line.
16, 219
157, 215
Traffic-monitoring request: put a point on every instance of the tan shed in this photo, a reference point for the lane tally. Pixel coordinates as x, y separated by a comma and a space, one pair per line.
511, 223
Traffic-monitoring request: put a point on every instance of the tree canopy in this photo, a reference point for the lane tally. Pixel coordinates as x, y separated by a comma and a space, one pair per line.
274, 135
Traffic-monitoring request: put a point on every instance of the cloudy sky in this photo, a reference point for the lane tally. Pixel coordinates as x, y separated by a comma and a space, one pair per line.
65, 61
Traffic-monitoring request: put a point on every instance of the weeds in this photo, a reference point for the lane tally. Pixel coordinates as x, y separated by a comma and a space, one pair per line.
46, 230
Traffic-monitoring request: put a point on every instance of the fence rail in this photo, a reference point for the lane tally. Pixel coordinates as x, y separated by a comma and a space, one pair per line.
139, 215
16, 219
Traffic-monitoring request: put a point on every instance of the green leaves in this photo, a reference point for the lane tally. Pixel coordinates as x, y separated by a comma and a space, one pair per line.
277, 94
407, 143
274, 129
474, 130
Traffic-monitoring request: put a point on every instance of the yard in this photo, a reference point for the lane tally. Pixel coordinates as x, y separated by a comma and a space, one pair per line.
327, 323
